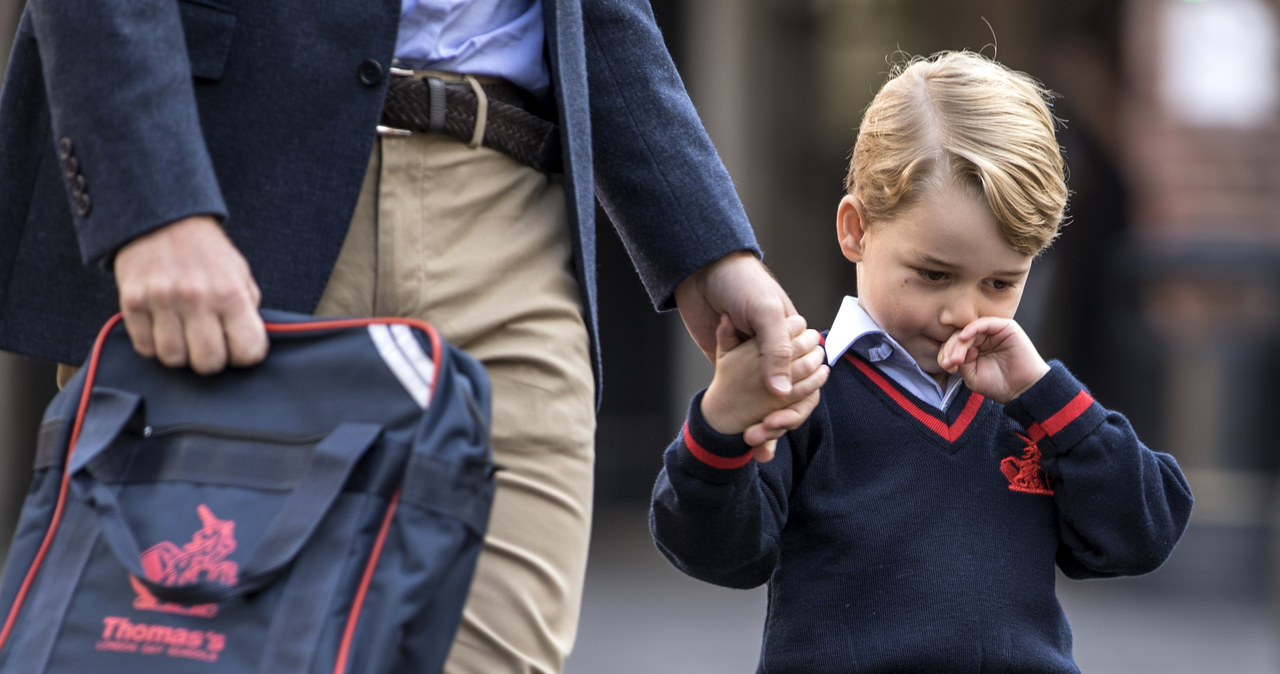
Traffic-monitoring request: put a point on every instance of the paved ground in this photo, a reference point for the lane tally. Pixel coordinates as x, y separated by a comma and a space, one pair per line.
640, 616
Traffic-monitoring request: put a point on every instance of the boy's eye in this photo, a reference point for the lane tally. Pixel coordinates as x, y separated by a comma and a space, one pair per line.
998, 284
932, 275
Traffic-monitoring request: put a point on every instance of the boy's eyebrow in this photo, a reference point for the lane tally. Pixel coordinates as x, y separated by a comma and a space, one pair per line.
927, 259
932, 261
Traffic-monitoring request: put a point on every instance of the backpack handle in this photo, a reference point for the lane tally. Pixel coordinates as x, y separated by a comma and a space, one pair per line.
326, 471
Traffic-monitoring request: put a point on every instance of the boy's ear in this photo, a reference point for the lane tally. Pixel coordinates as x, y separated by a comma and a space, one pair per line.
851, 227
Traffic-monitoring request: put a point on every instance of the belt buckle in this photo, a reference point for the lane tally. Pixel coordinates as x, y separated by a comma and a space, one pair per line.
388, 130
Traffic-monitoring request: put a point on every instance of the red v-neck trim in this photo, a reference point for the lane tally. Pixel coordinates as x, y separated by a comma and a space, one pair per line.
949, 433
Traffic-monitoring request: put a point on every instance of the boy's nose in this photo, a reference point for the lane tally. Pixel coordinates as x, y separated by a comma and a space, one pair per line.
959, 311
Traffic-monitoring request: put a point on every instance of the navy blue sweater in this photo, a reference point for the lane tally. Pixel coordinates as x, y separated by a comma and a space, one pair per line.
896, 539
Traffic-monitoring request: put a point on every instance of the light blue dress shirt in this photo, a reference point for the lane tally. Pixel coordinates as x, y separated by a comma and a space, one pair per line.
855, 329
499, 38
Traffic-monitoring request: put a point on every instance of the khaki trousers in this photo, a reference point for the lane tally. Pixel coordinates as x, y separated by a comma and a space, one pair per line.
478, 245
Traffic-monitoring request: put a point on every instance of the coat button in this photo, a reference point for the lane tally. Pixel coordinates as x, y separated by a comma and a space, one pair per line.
70, 167
83, 205
64, 149
369, 73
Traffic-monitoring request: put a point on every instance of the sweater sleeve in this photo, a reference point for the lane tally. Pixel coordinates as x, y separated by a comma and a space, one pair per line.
717, 514
1121, 506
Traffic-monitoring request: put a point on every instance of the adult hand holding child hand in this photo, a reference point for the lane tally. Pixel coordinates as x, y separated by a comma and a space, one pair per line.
737, 401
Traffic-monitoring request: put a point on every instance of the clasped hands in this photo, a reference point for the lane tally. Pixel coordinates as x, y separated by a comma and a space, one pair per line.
737, 400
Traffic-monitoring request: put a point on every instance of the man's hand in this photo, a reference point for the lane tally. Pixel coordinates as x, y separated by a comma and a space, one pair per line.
996, 358
737, 402
188, 298
739, 285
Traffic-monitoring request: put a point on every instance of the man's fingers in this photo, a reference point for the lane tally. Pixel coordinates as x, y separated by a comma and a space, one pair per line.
796, 325
169, 338
203, 330
727, 338
247, 342
776, 356
137, 323
781, 379
202, 340
188, 297
206, 345
708, 347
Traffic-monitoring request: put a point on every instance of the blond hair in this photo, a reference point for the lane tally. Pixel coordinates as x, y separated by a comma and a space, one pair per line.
962, 118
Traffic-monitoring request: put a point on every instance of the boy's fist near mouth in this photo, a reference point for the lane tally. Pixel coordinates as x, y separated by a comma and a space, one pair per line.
995, 357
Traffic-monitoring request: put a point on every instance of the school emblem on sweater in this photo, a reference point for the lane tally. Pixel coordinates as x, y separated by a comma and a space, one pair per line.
1024, 473
203, 558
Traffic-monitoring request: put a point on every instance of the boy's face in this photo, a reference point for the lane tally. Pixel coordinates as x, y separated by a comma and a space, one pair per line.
932, 269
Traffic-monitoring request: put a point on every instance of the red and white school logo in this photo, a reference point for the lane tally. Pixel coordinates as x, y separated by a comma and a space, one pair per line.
203, 558
165, 563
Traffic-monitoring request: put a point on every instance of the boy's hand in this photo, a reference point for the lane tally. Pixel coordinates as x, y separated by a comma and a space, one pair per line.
737, 398
995, 357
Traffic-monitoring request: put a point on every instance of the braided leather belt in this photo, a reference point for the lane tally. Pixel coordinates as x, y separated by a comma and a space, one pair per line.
508, 124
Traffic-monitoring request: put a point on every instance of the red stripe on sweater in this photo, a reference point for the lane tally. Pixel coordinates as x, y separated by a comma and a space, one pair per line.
713, 460
949, 433
1072, 411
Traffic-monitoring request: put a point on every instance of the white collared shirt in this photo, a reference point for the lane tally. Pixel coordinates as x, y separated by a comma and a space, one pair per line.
855, 329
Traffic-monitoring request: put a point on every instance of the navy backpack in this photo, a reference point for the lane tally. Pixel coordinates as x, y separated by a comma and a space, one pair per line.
320, 512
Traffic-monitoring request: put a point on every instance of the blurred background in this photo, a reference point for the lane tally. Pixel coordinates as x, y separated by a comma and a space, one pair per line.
1163, 294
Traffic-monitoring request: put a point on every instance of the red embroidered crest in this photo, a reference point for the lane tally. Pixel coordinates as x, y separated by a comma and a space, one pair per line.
205, 557
1025, 473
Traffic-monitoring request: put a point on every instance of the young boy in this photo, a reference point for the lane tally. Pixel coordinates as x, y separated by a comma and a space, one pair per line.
913, 523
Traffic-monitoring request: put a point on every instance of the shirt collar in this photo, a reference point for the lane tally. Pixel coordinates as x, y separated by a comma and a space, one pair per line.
854, 328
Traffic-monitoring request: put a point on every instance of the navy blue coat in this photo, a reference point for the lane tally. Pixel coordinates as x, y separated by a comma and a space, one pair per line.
119, 116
